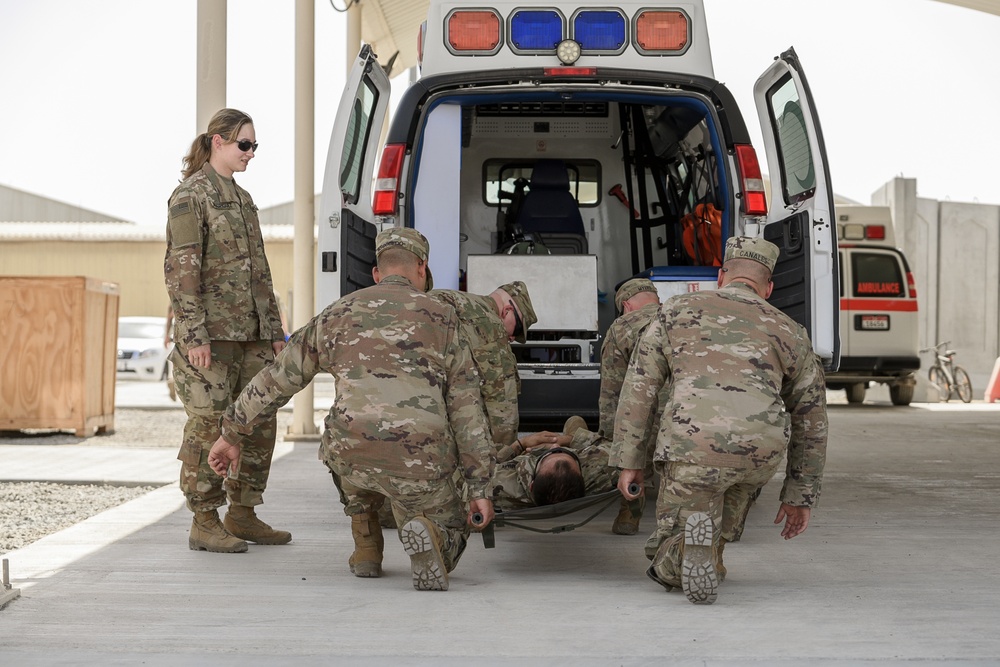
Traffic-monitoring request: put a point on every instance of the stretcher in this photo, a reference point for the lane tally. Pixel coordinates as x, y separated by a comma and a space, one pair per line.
522, 517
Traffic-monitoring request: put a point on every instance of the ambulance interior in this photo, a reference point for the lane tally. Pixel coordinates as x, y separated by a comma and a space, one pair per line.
607, 186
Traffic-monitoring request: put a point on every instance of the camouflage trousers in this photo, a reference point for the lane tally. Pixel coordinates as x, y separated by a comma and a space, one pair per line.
205, 394
725, 494
364, 491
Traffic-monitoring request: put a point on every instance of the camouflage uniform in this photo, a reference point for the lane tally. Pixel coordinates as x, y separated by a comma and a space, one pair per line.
743, 386
512, 478
220, 290
406, 414
483, 329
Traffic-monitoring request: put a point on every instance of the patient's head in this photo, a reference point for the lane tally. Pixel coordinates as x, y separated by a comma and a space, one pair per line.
558, 477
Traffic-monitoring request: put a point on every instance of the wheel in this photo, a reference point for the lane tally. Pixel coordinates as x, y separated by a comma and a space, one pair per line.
856, 392
963, 385
936, 376
901, 394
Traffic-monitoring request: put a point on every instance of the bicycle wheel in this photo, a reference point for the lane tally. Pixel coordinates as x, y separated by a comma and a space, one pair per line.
936, 375
963, 385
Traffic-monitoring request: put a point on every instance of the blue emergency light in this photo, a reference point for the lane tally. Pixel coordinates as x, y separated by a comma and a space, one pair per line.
599, 30
536, 30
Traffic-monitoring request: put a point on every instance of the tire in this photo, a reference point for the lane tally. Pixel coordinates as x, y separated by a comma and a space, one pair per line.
936, 375
901, 394
963, 385
856, 392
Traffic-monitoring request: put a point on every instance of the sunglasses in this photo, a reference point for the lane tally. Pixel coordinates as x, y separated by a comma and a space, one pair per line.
518, 323
245, 145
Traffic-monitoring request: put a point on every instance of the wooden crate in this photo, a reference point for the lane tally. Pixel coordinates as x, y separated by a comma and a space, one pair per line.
58, 346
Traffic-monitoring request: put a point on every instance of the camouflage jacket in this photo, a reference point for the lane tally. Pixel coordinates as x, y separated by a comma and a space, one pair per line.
743, 385
480, 325
407, 393
216, 273
512, 479
621, 339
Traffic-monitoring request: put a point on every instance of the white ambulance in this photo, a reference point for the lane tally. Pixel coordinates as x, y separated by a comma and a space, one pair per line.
575, 145
878, 308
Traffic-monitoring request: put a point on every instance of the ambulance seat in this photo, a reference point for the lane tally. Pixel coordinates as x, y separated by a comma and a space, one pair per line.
549, 212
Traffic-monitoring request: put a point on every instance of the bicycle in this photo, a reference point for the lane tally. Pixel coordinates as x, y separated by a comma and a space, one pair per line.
946, 374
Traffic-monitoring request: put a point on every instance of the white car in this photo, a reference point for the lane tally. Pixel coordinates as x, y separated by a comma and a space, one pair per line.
141, 353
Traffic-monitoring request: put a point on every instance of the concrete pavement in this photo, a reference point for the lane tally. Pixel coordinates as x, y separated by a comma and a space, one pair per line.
896, 567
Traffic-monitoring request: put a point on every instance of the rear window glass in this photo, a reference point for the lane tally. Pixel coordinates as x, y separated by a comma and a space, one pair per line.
877, 275
584, 180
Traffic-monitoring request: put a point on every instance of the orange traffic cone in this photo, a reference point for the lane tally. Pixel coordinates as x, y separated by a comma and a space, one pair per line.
993, 388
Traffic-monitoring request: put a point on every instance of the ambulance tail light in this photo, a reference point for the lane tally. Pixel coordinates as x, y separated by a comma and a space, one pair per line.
384, 202
754, 197
875, 233
911, 285
473, 32
661, 31
569, 71
421, 33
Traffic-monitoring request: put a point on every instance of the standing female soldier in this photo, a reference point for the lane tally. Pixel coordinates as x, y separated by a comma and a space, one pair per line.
226, 329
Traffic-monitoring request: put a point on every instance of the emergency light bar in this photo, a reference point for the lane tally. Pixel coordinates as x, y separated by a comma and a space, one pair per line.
478, 32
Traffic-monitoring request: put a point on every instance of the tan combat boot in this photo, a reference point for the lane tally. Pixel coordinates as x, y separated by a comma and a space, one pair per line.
422, 543
627, 521
366, 561
574, 424
719, 567
208, 534
242, 522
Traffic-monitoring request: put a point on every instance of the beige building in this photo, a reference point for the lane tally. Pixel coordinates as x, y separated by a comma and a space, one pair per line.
44, 237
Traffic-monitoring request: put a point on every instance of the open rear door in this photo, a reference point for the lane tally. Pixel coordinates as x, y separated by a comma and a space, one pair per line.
346, 241
800, 219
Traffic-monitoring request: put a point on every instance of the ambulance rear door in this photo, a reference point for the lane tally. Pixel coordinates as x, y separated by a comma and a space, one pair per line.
800, 218
346, 238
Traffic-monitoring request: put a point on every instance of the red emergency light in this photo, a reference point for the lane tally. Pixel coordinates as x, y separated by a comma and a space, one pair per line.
477, 30
661, 30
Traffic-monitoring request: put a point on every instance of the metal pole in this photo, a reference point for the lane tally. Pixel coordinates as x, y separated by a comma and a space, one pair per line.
211, 91
303, 426
353, 41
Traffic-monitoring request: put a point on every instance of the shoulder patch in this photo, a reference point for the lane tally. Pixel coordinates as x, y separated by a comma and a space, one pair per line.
183, 224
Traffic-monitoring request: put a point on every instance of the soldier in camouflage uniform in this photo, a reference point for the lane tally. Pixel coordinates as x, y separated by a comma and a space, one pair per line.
488, 324
743, 387
226, 329
405, 418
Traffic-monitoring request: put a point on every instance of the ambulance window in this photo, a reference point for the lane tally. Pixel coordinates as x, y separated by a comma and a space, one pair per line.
798, 169
876, 275
358, 131
584, 180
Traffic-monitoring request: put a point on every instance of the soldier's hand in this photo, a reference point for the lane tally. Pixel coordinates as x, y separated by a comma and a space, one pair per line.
201, 356
627, 478
796, 519
544, 439
277, 346
483, 507
223, 455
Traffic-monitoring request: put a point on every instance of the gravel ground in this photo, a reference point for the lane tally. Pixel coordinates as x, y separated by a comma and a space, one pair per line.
31, 510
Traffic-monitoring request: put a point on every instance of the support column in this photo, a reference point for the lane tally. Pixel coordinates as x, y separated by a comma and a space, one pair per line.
211, 84
303, 426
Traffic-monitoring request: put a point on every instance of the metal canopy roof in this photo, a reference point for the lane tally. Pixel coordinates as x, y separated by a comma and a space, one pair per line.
391, 26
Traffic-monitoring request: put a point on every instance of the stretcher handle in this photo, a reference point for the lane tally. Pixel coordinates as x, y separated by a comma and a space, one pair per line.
634, 489
477, 519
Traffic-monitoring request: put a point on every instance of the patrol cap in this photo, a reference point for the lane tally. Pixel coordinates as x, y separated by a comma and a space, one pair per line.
630, 288
758, 250
406, 238
518, 293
